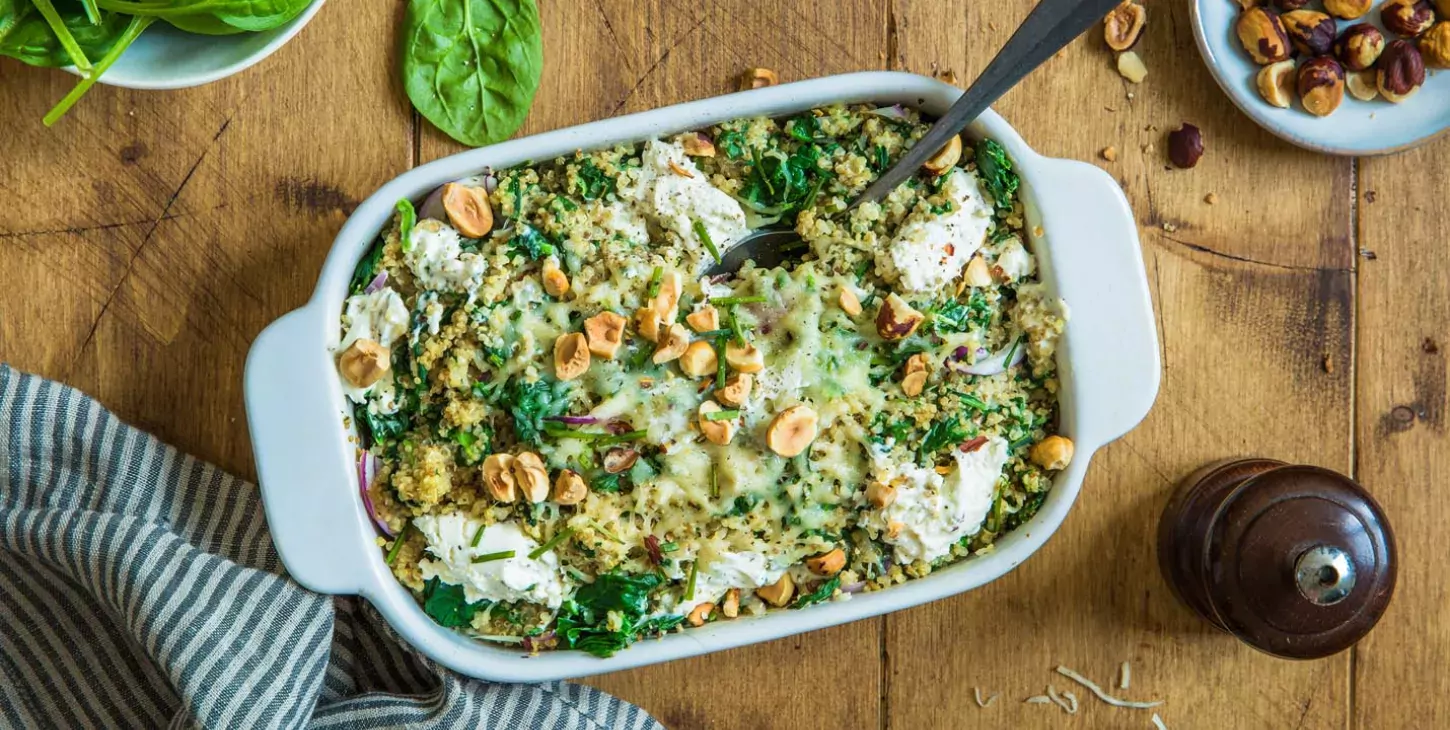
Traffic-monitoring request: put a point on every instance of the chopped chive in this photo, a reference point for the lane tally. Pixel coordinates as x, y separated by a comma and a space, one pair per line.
490, 557
477, 536
726, 301
398, 543
669, 547
735, 326
561, 536
407, 218
624, 437
604, 531
690, 586
1007, 361
657, 276
704, 237
724, 415
719, 362
710, 334
714, 482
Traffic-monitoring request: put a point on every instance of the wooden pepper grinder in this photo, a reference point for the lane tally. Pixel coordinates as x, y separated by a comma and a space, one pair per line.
1296, 561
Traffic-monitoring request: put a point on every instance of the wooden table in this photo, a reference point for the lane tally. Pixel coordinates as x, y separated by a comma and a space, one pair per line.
148, 237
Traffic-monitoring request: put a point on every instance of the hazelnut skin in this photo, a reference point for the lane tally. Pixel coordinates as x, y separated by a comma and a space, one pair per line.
1311, 32
1359, 46
1401, 71
1287, 5
1262, 34
1321, 85
1435, 45
1185, 146
1408, 18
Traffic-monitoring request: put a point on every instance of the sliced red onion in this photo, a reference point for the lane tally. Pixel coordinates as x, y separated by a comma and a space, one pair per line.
574, 420
968, 447
377, 283
490, 182
856, 587
540, 642
895, 111
366, 469
432, 206
997, 361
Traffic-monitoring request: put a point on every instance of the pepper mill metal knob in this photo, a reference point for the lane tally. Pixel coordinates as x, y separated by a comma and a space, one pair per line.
1296, 561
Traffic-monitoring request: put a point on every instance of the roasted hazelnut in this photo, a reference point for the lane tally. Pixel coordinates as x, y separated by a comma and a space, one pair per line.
915, 374
756, 78
571, 356
730, 607
1053, 453
673, 343
880, 494
1321, 85
364, 363
705, 319
1359, 46
897, 319
1276, 83
1348, 9
850, 303
978, 274
498, 477
569, 488
1262, 35
1362, 84
778, 593
556, 282
736, 390
1408, 18
647, 322
792, 431
1124, 25
531, 476
468, 209
698, 359
606, 333
1246, 4
1185, 146
1444, 7
696, 144
745, 358
945, 158
1311, 32
667, 301
719, 432
1435, 45
1287, 5
1401, 71
700, 613
619, 460
827, 564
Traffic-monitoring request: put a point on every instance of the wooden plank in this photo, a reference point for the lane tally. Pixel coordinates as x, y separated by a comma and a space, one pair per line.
1403, 454
1252, 294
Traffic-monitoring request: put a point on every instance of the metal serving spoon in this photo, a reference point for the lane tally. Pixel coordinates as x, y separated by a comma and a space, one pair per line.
1050, 27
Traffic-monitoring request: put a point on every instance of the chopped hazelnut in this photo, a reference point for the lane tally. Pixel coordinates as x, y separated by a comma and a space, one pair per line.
1276, 83
792, 431
498, 477
1053, 453
897, 319
703, 320
700, 613
893, 529
779, 593
696, 144
1435, 44
571, 356
1110, 153
828, 563
647, 322
698, 359
468, 209
605, 332
619, 460
667, 302
672, 345
945, 158
850, 303
756, 78
1124, 25
531, 476
719, 433
1132, 68
1362, 85
978, 274
556, 283
736, 390
745, 358
364, 363
880, 494
730, 607
1408, 18
569, 488
1348, 9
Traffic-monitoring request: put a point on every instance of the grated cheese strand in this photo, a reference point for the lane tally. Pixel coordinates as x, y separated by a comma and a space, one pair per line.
1158, 722
1104, 696
1125, 675
1072, 702
977, 693
1038, 700
1058, 700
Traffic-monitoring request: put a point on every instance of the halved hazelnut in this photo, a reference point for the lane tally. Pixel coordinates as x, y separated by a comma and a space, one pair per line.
700, 613
1131, 67
673, 343
364, 363
1053, 453
828, 563
779, 593
1401, 71
498, 477
704, 319
850, 303
1359, 46
736, 390
605, 332
667, 302
945, 158
1321, 85
893, 529
531, 476
1311, 32
571, 356
1348, 9
914, 377
1362, 84
569, 488
619, 460
756, 78
647, 323
1408, 18
556, 283
468, 209
697, 144
897, 319
716, 432
1435, 44
880, 494
1124, 25
918, 363
745, 358
1276, 83
699, 359
730, 607
1262, 35
978, 275
792, 431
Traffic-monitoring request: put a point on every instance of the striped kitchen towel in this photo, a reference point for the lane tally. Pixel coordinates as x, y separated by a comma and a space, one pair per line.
139, 588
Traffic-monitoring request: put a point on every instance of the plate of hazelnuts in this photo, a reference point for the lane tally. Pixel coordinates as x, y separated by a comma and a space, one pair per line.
1346, 77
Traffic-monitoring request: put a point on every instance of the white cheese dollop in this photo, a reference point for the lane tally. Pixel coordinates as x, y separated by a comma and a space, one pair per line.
520, 578
675, 201
438, 261
381, 317
930, 249
1014, 260
936, 511
744, 570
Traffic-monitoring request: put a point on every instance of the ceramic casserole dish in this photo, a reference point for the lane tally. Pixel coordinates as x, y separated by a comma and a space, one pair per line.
1080, 227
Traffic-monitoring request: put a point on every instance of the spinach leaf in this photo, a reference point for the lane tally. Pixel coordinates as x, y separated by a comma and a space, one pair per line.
134, 28
27, 37
531, 403
593, 183
444, 603
366, 269
528, 242
822, 592
374, 428
942, 434
780, 183
583, 623
204, 25
471, 67
253, 15
996, 173
732, 143
1030, 506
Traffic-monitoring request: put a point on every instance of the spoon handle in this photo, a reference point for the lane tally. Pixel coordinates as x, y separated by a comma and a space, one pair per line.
1051, 26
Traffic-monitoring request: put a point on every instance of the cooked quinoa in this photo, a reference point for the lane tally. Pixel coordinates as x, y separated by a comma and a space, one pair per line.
575, 438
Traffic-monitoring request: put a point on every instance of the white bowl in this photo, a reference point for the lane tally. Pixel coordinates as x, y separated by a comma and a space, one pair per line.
1108, 365
1357, 128
167, 58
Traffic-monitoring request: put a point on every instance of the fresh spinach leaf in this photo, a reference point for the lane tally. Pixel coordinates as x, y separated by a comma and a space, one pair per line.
252, 15
444, 603
996, 173
27, 37
471, 67
592, 182
366, 269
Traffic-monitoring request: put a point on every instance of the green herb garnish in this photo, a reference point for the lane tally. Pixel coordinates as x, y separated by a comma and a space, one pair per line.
690, 585
553, 542
398, 543
407, 219
490, 557
477, 535
822, 592
728, 301
704, 236
722, 415
655, 278
972, 402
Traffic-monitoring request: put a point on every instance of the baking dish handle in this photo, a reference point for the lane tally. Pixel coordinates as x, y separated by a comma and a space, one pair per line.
1097, 264
304, 461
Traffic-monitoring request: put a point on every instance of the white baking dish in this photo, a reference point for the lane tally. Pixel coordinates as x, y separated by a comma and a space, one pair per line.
1108, 364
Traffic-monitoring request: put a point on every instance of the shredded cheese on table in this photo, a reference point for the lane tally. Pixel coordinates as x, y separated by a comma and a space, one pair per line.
977, 693
1125, 674
1104, 696
1158, 722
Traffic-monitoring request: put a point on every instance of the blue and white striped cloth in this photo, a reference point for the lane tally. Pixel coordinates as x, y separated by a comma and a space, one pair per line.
139, 588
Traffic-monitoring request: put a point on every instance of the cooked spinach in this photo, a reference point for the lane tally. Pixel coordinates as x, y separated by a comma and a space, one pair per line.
732, 143
366, 269
530, 403
471, 67
444, 603
822, 592
583, 623
374, 428
996, 173
530, 243
593, 183
781, 183
942, 434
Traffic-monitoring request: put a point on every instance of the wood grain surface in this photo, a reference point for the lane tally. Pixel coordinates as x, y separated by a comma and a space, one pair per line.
1303, 315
